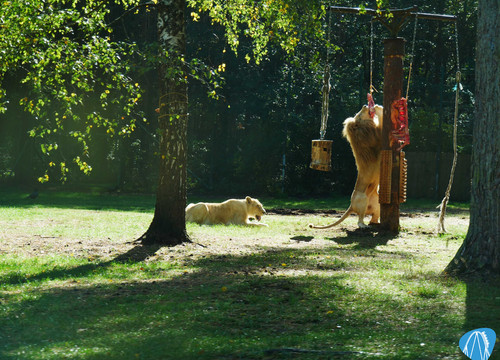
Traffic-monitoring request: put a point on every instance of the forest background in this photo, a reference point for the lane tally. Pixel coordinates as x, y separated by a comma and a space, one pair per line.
251, 125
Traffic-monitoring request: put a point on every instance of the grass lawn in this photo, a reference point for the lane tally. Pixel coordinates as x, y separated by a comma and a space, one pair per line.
73, 286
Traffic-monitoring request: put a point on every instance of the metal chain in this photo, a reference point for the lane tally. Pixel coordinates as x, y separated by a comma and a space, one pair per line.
328, 33
326, 83
326, 98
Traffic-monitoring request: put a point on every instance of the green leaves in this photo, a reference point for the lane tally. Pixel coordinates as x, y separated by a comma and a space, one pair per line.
75, 73
284, 22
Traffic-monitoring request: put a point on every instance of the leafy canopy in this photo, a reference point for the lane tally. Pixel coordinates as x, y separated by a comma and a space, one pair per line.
73, 72
284, 22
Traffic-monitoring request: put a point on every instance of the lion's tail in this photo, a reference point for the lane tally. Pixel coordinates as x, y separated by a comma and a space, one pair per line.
348, 212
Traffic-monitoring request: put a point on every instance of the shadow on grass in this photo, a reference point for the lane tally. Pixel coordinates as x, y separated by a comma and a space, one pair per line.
212, 313
302, 238
190, 317
261, 306
367, 238
137, 254
482, 307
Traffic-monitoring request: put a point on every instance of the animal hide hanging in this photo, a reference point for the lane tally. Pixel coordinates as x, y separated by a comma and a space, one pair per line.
399, 118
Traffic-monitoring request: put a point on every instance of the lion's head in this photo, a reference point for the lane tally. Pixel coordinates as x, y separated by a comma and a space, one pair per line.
254, 208
364, 114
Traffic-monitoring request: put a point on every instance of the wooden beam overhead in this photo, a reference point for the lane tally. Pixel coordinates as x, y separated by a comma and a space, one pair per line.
377, 13
398, 19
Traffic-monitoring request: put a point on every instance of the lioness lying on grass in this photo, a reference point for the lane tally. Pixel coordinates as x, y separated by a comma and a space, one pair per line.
232, 211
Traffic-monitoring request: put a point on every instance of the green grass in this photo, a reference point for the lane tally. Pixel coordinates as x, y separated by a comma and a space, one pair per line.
235, 292
97, 199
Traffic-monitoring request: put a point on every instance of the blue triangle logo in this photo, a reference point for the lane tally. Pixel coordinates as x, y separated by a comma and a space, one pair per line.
478, 344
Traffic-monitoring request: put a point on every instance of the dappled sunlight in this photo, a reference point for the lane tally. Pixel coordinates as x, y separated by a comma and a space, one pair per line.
221, 305
74, 282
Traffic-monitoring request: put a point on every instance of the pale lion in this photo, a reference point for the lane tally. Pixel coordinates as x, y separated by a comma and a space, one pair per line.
232, 211
364, 134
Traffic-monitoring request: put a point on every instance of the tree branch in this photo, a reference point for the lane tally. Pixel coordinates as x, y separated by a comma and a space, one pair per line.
152, 4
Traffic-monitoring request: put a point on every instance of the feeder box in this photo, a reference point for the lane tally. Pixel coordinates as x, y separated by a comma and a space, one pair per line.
321, 155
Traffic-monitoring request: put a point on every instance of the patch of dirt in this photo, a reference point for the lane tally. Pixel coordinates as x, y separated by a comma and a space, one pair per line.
32, 240
282, 211
411, 213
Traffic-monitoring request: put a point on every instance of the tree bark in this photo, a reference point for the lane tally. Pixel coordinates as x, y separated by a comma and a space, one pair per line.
169, 224
480, 252
394, 51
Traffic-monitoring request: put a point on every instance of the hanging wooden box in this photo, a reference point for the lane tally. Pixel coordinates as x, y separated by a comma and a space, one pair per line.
321, 155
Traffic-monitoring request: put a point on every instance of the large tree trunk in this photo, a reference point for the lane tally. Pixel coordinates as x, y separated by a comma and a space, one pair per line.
169, 225
480, 251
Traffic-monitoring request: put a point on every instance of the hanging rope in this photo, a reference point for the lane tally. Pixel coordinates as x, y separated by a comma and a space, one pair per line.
412, 55
369, 96
326, 84
444, 202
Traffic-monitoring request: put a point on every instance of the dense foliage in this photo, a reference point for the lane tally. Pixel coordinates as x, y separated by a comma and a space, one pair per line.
64, 69
252, 133
269, 113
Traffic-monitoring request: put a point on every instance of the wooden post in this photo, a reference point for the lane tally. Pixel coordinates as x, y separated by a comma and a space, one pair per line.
394, 49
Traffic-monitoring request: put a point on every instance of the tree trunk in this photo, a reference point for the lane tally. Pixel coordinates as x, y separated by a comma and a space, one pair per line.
169, 224
394, 51
480, 252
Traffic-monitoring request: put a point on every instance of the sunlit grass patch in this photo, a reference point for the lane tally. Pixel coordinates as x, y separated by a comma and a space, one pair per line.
69, 290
